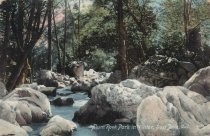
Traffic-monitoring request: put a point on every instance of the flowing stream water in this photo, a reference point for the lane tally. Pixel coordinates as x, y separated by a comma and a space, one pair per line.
67, 112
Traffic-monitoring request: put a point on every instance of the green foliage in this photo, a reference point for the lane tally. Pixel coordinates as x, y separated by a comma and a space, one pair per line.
100, 22
171, 44
101, 60
171, 15
169, 38
99, 27
39, 60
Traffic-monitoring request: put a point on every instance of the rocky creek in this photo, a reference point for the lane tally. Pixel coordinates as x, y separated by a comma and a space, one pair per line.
67, 112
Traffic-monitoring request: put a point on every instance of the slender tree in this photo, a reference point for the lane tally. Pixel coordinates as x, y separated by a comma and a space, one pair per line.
122, 40
6, 15
50, 5
187, 10
64, 41
57, 43
79, 8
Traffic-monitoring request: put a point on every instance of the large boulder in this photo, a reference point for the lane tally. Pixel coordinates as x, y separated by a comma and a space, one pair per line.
29, 105
47, 78
111, 102
115, 77
8, 129
3, 90
200, 82
58, 126
7, 113
162, 71
46, 74
75, 69
174, 111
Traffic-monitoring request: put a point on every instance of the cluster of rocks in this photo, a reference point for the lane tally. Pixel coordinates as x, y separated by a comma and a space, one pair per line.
161, 71
28, 104
172, 110
75, 68
21, 107
90, 79
84, 83
178, 110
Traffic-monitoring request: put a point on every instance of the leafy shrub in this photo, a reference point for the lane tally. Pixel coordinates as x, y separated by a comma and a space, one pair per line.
100, 60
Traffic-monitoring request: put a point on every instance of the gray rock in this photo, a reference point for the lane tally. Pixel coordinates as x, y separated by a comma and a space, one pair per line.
3, 90
200, 82
188, 66
63, 101
8, 129
7, 113
114, 101
34, 86
48, 82
29, 105
115, 77
75, 69
173, 112
49, 91
61, 85
58, 126
47, 78
81, 87
45, 74
154, 119
91, 78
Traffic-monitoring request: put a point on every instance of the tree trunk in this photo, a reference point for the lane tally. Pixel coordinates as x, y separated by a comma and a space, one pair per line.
79, 21
187, 7
3, 58
122, 40
25, 73
13, 81
57, 44
50, 3
64, 41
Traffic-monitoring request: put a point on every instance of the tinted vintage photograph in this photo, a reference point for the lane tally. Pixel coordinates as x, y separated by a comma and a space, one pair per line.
104, 67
